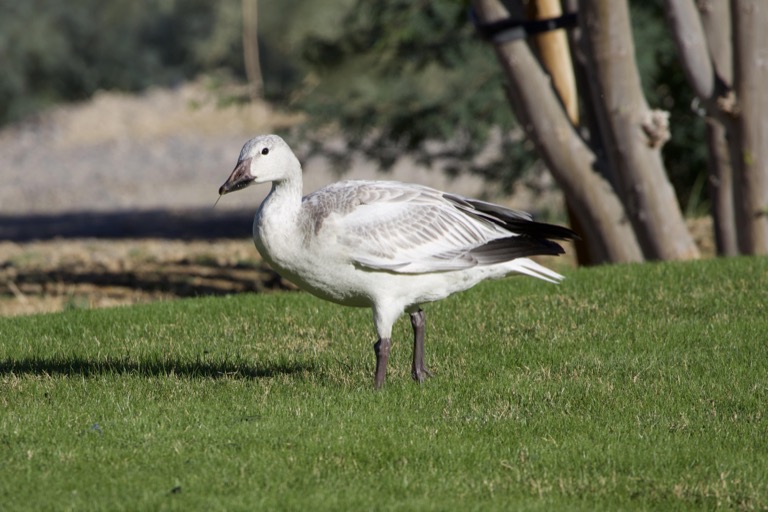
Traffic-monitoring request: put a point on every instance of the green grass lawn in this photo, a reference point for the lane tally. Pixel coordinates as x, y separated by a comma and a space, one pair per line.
625, 387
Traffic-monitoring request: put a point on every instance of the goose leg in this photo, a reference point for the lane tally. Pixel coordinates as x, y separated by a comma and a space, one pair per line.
381, 348
418, 371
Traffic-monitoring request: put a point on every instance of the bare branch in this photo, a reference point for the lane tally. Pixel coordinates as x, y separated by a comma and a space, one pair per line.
716, 21
692, 46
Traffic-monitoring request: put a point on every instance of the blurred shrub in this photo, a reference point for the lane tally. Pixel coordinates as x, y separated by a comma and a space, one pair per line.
56, 51
53, 51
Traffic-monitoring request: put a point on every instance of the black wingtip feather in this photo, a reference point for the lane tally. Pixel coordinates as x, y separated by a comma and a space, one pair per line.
510, 248
517, 222
541, 230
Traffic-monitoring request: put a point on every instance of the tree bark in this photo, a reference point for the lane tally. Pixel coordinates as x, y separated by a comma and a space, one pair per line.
688, 33
721, 189
716, 22
569, 159
555, 57
750, 19
633, 134
715, 18
702, 33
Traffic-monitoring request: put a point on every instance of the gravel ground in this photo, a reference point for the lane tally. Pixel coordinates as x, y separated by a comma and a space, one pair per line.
105, 156
154, 151
109, 202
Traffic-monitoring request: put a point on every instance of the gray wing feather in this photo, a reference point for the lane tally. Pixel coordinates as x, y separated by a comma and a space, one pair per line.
404, 228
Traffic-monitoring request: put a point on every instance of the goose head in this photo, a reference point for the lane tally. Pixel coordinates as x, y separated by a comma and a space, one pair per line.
266, 158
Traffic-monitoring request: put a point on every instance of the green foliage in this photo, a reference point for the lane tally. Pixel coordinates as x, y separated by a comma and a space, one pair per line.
63, 51
411, 77
283, 28
54, 51
635, 387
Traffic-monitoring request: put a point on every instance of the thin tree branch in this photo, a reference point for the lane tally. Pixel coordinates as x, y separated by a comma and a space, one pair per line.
691, 43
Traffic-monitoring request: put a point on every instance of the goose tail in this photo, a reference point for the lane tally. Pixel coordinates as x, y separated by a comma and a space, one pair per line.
530, 268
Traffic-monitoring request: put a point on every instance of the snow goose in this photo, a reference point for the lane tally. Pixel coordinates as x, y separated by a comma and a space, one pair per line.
385, 245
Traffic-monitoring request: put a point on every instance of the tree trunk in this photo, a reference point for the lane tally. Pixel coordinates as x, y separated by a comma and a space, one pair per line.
633, 134
750, 19
721, 189
250, 13
716, 23
569, 159
702, 33
556, 59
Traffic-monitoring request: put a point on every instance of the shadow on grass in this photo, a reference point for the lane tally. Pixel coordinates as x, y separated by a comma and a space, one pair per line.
76, 366
184, 224
179, 280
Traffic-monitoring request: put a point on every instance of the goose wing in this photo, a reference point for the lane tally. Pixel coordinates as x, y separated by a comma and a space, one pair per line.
402, 228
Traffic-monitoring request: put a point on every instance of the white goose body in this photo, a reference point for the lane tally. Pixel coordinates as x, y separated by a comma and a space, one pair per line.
386, 245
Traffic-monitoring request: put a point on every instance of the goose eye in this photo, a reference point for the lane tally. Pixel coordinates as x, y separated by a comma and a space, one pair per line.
265, 151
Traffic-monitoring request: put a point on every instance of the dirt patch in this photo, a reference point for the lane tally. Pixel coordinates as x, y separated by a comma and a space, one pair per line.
56, 275
703, 235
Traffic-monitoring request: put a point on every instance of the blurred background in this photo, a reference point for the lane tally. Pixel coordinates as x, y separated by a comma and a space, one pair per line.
119, 120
